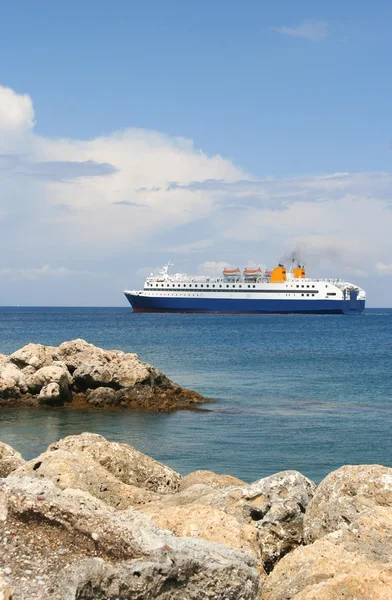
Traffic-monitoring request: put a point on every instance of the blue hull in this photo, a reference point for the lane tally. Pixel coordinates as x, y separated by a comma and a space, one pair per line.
142, 303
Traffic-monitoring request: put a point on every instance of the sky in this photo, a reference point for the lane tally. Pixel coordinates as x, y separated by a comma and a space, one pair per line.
210, 133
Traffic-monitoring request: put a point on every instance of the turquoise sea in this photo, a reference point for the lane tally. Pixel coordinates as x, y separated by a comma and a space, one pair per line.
301, 392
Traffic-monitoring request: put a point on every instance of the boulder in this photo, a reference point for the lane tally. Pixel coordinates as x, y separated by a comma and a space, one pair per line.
63, 529
167, 574
349, 562
274, 506
205, 522
77, 353
78, 471
123, 461
209, 478
324, 571
102, 396
344, 494
54, 374
10, 459
12, 381
34, 355
51, 394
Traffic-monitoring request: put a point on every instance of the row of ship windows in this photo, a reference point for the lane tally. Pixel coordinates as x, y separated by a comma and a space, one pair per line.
197, 295
213, 285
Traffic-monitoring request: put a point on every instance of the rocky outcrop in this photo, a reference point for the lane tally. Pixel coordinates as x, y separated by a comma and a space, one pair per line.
10, 460
123, 462
81, 548
90, 519
344, 494
81, 374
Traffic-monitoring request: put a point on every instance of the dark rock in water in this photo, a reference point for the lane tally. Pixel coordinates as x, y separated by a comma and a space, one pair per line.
81, 374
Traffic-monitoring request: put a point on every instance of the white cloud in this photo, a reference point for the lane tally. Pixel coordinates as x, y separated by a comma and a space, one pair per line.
311, 29
383, 269
16, 111
112, 204
214, 268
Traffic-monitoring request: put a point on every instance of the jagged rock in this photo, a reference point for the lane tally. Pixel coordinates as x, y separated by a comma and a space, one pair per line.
349, 563
345, 493
78, 471
10, 459
123, 461
50, 394
77, 353
6, 591
12, 381
102, 396
34, 355
166, 575
53, 374
274, 505
81, 527
208, 523
209, 478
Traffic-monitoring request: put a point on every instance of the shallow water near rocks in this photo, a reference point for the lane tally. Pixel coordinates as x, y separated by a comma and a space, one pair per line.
303, 392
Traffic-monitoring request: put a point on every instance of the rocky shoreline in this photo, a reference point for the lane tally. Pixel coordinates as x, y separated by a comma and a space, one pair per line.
81, 375
93, 519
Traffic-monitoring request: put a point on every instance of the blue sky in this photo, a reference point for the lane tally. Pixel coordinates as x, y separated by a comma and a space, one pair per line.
114, 98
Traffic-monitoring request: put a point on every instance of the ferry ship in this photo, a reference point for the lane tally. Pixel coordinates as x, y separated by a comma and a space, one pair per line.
249, 291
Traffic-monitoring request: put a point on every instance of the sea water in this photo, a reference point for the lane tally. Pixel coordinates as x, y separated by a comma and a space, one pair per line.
303, 392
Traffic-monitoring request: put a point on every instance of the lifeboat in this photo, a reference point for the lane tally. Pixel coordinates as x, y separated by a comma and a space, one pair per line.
252, 271
252, 274
231, 271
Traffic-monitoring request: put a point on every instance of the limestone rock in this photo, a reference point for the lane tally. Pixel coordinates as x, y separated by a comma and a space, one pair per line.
77, 471
166, 575
80, 368
12, 381
123, 461
77, 353
354, 560
205, 522
102, 396
209, 478
144, 561
10, 459
53, 374
368, 582
275, 507
34, 355
344, 494
50, 394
